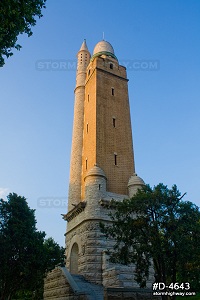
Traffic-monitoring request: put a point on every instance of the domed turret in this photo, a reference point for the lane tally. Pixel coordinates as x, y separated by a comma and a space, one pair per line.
134, 183
95, 183
103, 48
96, 171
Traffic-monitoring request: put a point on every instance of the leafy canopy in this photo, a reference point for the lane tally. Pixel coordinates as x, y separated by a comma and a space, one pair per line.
157, 228
25, 255
17, 17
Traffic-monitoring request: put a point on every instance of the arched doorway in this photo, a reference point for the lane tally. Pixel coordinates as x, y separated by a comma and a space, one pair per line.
74, 259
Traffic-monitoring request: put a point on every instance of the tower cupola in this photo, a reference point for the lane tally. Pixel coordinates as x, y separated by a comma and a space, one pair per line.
134, 183
83, 56
96, 171
95, 183
103, 48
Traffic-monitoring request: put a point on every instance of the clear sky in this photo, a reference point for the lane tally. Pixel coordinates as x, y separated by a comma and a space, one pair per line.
36, 101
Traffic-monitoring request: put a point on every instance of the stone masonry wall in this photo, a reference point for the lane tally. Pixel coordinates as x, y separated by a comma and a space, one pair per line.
56, 287
107, 126
117, 275
77, 136
91, 244
84, 230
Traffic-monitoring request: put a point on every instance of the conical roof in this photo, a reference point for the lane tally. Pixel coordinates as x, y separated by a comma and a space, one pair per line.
84, 46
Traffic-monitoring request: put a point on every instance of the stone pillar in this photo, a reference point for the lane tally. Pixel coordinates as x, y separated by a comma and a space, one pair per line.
77, 136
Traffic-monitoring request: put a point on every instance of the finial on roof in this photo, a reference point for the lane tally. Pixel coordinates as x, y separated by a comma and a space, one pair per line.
103, 36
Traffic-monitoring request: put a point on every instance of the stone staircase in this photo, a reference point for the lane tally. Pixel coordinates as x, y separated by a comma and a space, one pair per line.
61, 285
93, 291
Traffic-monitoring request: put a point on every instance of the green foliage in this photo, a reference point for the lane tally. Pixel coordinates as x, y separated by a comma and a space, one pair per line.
21, 253
16, 17
157, 228
55, 254
25, 256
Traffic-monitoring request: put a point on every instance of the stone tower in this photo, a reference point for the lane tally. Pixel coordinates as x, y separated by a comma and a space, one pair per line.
102, 162
102, 168
83, 58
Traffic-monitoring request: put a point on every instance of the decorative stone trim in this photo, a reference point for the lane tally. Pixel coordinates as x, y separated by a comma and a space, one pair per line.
104, 53
75, 211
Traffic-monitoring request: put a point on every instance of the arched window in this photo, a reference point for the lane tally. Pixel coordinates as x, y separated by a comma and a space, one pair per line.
74, 259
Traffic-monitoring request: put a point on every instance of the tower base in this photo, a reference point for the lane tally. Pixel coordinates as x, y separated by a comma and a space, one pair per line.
61, 285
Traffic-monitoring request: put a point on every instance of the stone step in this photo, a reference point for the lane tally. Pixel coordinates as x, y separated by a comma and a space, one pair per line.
94, 291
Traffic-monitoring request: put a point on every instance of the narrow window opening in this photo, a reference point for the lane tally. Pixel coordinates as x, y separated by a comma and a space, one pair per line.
86, 164
99, 187
115, 157
88, 97
114, 122
87, 128
88, 72
112, 91
111, 66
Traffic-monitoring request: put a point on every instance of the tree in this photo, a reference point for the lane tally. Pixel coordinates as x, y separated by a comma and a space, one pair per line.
25, 256
156, 227
17, 17
55, 254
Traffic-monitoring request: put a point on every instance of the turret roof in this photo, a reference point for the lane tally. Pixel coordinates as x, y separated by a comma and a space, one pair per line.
104, 47
96, 171
84, 46
135, 180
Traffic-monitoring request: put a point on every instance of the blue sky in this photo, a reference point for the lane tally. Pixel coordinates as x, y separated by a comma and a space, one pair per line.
36, 105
